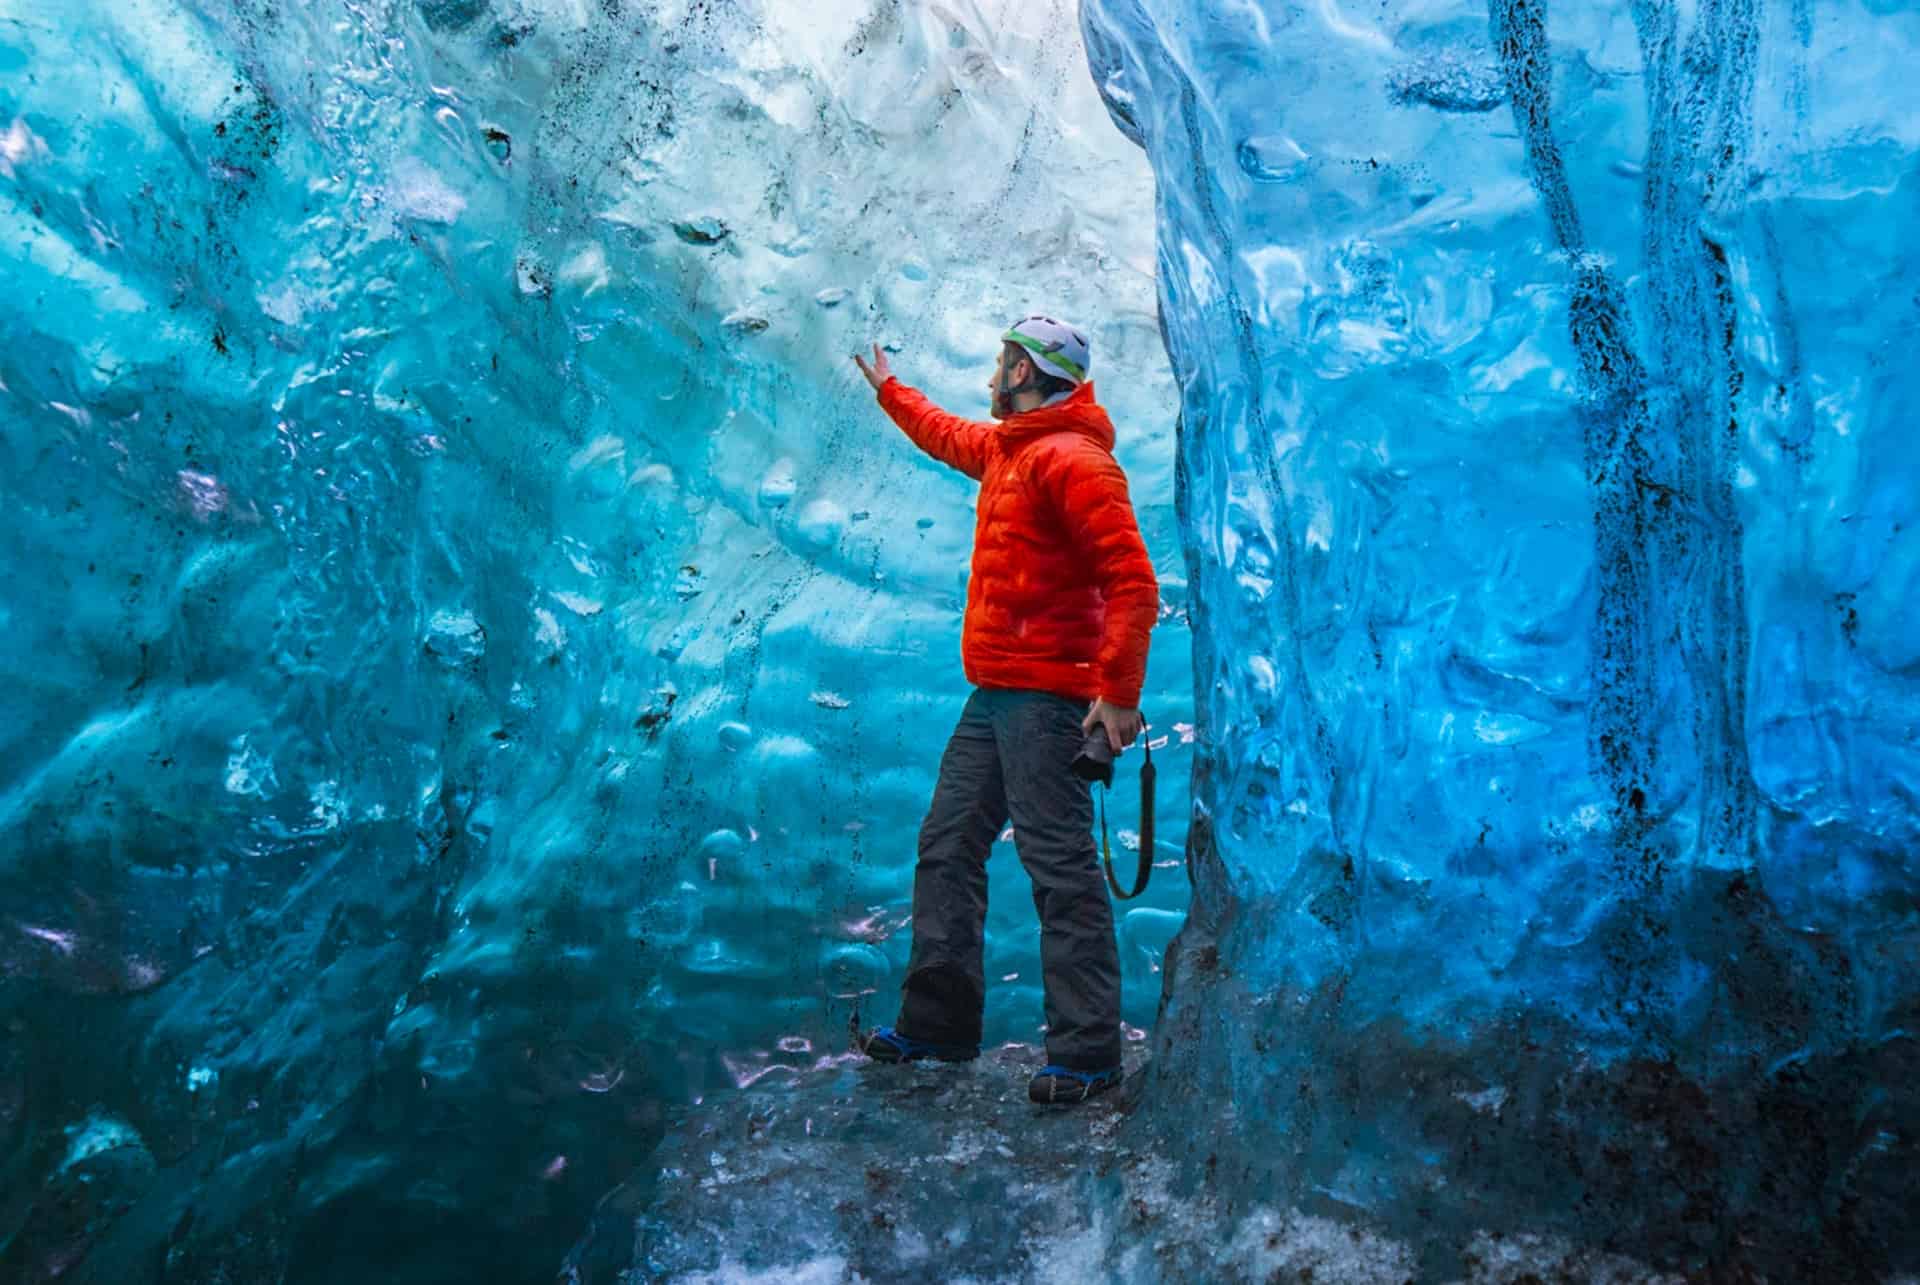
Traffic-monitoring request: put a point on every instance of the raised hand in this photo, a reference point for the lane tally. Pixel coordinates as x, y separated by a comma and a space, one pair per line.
878, 373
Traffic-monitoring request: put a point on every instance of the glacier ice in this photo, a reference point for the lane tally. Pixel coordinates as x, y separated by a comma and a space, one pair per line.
1548, 515
840, 1170
475, 659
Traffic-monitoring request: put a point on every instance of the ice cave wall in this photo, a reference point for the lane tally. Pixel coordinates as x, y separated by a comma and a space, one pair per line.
1548, 499
475, 658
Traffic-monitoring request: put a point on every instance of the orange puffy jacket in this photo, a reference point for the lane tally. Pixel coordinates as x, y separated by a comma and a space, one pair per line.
1062, 596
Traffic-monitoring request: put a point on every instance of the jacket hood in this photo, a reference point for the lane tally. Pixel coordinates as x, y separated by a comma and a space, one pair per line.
1080, 413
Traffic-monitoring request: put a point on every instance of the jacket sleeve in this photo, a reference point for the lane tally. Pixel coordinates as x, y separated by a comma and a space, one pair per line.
1091, 492
961, 443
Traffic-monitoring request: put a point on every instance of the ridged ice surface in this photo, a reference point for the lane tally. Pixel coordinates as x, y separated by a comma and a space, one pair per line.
1549, 500
847, 1171
475, 659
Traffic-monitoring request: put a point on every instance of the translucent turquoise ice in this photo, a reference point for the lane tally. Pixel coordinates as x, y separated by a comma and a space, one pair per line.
1548, 495
475, 657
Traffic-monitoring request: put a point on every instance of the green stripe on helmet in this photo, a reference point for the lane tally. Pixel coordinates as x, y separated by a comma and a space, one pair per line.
1057, 359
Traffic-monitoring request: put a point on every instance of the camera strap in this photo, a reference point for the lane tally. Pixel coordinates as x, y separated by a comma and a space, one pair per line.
1146, 831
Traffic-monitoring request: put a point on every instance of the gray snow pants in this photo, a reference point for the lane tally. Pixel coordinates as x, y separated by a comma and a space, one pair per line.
1009, 758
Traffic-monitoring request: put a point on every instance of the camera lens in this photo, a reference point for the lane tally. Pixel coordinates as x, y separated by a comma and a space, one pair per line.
1095, 760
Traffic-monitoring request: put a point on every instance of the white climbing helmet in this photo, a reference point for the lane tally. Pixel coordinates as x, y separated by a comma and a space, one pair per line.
1057, 348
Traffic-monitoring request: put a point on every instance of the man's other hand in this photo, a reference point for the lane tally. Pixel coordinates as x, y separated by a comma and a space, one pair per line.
1122, 724
878, 373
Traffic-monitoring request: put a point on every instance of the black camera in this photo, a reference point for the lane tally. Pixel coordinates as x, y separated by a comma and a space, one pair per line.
1094, 762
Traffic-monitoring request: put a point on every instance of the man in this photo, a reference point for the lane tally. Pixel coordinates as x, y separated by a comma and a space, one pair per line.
1060, 603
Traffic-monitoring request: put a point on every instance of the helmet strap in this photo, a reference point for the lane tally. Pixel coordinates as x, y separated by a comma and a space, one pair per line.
1011, 390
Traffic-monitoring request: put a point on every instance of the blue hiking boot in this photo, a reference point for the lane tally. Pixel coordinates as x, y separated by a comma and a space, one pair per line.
888, 1045
1059, 1086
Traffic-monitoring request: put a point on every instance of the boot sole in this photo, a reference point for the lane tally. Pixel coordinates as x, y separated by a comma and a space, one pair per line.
889, 1058
1034, 1095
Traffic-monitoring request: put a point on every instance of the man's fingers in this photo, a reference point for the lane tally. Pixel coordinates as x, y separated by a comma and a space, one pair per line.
878, 372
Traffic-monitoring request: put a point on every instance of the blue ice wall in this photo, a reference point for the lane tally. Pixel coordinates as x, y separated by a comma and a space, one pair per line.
473, 659
1548, 496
